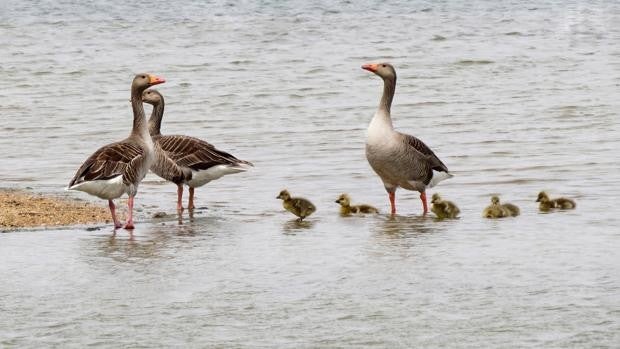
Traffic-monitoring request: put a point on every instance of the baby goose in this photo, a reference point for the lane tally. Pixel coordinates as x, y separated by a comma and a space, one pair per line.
495, 210
443, 208
547, 204
346, 209
300, 207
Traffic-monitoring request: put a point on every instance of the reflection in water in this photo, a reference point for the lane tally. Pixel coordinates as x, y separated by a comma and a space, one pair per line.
405, 226
294, 226
129, 246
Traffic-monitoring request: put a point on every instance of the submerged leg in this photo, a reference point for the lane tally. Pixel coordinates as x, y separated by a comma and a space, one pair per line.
190, 205
117, 224
423, 198
392, 196
179, 197
129, 224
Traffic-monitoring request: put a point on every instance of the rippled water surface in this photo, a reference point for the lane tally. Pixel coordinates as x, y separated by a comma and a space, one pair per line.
514, 97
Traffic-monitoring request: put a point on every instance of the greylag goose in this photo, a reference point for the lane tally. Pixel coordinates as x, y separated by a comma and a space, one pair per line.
399, 159
346, 208
443, 208
300, 207
546, 204
497, 210
118, 168
195, 162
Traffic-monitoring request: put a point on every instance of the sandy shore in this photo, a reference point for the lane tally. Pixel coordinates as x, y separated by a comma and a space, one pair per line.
20, 209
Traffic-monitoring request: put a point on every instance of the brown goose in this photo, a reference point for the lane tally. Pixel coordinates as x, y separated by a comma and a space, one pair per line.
118, 168
399, 159
194, 161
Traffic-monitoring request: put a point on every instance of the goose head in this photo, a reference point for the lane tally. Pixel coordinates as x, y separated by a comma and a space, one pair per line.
143, 81
152, 97
384, 70
435, 198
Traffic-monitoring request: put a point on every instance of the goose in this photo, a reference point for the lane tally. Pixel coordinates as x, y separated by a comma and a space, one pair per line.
346, 208
118, 168
300, 207
547, 204
199, 162
400, 160
443, 208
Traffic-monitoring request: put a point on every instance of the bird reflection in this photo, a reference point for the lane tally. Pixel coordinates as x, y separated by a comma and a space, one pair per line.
126, 246
395, 226
295, 226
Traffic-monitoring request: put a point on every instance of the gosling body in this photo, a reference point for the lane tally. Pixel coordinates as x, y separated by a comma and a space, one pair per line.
300, 207
546, 204
443, 208
497, 210
347, 209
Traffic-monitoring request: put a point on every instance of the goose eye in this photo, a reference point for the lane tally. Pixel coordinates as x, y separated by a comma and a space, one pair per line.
143, 77
383, 65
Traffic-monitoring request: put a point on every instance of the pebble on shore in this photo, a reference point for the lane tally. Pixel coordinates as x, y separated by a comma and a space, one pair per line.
19, 209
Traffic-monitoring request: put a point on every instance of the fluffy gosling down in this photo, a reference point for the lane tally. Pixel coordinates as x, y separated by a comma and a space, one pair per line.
496, 210
346, 208
443, 208
547, 204
300, 207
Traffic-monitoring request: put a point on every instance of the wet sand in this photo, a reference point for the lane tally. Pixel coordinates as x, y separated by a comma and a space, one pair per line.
21, 209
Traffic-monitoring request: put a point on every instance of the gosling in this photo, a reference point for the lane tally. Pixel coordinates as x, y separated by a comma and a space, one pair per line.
547, 204
443, 208
300, 207
346, 209
495, 210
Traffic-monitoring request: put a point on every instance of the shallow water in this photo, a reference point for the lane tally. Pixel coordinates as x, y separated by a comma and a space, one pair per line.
513, 97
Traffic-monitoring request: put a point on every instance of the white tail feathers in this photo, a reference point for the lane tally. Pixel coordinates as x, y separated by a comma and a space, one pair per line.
438, 177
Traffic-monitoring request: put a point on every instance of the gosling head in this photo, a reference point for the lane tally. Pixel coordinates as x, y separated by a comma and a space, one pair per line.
284, 195
152, 97
343, 200
542, 197
384, 70
495, 200
436, 198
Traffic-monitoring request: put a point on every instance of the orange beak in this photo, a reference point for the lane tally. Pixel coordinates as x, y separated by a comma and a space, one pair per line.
154, 80
370, 67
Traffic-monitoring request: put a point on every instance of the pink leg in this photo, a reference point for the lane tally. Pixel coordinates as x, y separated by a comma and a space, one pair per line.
129, 224
190, 205
180, 197
117, 224
392, 196
423, 198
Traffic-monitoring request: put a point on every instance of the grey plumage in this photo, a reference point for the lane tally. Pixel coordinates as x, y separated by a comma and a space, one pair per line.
119, 167
399, 159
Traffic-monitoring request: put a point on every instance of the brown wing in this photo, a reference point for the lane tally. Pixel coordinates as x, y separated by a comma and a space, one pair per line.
419, 146
112, 160
195, 153
166, 168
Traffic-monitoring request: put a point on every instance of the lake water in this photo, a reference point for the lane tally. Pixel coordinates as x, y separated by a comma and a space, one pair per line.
514, 97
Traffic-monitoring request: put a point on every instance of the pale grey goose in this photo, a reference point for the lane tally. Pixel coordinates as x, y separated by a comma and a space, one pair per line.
118, 168
399, 159
199, 161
